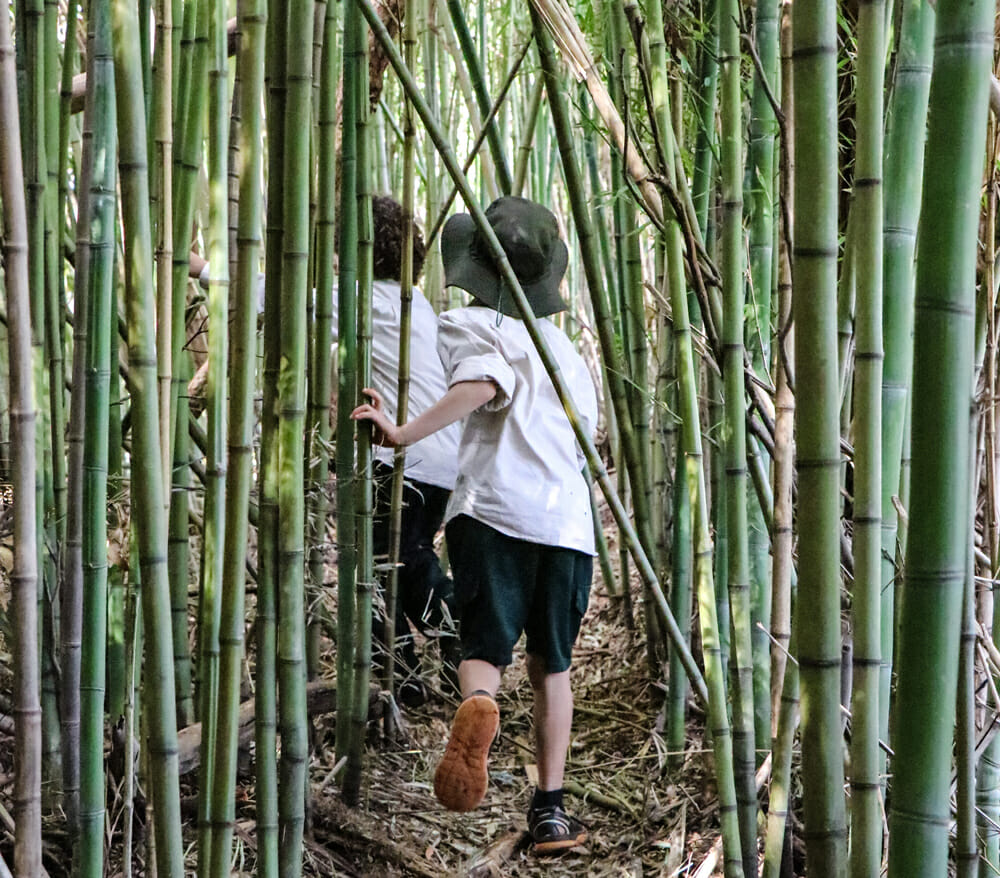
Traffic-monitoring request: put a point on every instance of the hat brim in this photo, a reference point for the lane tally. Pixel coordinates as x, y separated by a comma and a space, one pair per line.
462, 269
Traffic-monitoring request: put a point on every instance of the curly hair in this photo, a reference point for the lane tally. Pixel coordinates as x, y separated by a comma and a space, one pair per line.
387, 216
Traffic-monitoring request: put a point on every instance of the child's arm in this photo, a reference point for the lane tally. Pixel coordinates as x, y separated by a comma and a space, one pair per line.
461, 399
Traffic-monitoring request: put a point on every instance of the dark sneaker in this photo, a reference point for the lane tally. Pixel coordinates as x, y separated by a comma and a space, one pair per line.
553, 830
461, 778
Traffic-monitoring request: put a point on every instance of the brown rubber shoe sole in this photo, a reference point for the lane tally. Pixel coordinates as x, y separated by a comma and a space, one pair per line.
461, 778
563, 844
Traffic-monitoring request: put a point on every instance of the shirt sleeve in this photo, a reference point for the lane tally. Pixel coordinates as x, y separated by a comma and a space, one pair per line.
468, 353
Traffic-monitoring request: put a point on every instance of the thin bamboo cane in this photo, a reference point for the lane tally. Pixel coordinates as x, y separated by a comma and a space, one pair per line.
943, 343
477, 74
527, 137
162, 193
100, 120
214, 527
866, 818
966, 849
147, 487
24, 578
708, 76
347, 377
265, 697
291, 447
734, 430
782, 536
759, 194
364, 584
71, 590
403, 387
321, 361
250, 61
818, 436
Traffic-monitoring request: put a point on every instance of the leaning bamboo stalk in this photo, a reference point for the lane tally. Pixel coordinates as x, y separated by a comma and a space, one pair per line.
613, 369
938, 522
817, 430
866, 819
250, 61
24, 578
147, 485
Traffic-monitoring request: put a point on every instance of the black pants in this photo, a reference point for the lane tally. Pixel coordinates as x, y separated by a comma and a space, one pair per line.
423, 590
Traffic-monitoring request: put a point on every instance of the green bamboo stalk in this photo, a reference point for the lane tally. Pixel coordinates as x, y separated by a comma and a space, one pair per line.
782, 537
147, 486
734, 429
100, 123
178, 549
291, 447
426, 13
818, 435
347, 322
966, 849
364, 583
586, 443
406, 280
866, 822
903, 166
161, 125
265, 697
250, 62
71, 590
704, 97
477, 74
943, 345
320, 379
527, 137
760, 198
214, 525
24, 577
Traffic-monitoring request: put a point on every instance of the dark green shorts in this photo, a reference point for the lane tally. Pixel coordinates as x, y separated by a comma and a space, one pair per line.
505, 586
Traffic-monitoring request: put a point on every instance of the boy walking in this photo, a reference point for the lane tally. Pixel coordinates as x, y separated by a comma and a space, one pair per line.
518, 522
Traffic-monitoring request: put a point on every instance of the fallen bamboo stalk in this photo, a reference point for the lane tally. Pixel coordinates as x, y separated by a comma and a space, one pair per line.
321, 697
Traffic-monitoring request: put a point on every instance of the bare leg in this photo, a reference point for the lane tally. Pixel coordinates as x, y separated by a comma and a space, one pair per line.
476, 674
553, 721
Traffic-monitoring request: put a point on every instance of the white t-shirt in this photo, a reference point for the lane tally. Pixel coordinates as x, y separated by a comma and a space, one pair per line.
433, 460
519, 464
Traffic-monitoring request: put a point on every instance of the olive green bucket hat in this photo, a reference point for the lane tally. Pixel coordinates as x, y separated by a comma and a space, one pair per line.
529, 235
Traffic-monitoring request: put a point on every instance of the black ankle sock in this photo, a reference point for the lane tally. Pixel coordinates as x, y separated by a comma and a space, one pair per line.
479, 692
547, 799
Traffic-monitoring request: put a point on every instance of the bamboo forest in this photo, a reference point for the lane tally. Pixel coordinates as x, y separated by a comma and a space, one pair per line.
782, 277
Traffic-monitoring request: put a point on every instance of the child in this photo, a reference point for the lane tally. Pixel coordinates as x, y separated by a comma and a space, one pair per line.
519, 525
425, 594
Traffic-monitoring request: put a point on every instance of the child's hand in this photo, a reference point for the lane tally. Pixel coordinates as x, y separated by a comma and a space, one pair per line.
384, 431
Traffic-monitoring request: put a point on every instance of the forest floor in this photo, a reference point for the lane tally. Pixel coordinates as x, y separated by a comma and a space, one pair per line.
646, 814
